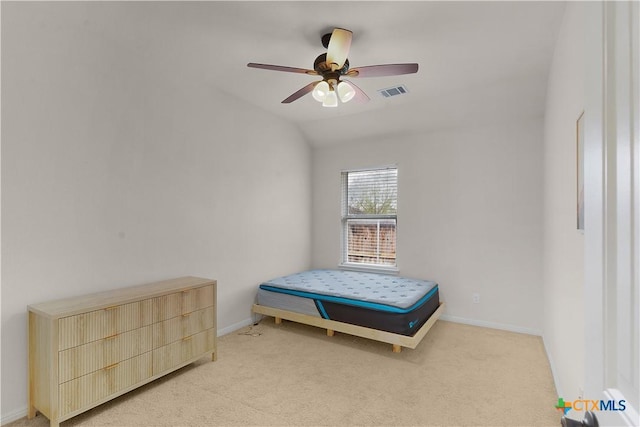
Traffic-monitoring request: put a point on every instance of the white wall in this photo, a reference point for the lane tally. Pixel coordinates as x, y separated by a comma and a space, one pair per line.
563, 329
469, 215
116, 171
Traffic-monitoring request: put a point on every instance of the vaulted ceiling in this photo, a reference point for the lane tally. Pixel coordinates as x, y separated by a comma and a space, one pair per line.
480, 62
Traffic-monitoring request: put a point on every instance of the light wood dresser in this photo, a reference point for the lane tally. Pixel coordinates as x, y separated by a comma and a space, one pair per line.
87, 350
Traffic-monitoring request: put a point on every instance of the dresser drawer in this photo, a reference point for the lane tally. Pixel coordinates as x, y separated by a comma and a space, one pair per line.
94, 325
84, 359
183, 350
89, 389
176, 328
179, 303
88, 349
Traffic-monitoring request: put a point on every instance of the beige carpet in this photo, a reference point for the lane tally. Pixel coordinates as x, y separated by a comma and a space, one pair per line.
294, 375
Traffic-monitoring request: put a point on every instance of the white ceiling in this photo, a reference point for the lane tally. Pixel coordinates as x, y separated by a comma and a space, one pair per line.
480, 62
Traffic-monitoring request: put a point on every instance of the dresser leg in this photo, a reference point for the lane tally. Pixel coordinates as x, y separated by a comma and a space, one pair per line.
31, 412
214, 357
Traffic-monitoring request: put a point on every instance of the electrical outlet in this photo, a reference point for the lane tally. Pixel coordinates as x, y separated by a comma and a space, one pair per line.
476, 298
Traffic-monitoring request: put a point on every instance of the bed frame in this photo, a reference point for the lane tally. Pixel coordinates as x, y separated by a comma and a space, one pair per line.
397, 340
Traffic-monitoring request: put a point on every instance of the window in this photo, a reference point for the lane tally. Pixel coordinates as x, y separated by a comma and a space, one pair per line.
369, 216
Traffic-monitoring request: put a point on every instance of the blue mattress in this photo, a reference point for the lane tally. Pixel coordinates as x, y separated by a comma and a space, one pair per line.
392, 303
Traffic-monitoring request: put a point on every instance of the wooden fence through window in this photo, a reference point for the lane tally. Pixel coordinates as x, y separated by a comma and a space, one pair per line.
365, 246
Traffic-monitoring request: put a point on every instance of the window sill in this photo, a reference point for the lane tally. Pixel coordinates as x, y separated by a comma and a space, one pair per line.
369, 268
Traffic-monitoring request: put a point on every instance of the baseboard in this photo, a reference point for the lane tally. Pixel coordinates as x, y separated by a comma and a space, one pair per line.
492, 325
556, 380
13, 416
236, 326
447, 317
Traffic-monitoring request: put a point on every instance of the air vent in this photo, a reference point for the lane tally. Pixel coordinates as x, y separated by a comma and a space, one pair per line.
393, 91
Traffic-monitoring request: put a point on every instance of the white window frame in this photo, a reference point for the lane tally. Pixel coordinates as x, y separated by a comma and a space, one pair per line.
345, 217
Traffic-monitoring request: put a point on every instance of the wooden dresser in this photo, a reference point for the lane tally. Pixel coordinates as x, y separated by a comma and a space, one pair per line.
87, 350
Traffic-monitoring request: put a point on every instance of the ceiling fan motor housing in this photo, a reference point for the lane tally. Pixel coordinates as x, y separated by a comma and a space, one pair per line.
325, 40
322, 67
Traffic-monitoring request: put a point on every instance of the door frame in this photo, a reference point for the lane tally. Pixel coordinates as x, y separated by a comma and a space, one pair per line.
611, 211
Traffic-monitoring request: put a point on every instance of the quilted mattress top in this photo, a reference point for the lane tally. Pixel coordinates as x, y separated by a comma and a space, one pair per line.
376, 288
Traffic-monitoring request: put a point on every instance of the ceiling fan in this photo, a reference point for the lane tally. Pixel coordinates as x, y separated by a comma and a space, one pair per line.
332, 66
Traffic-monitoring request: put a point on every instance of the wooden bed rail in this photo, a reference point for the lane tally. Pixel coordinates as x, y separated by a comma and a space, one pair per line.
397, 340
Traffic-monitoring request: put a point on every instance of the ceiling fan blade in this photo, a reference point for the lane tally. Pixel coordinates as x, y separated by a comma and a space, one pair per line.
300, 93
338, 49
282, 68
360, 96
383, 70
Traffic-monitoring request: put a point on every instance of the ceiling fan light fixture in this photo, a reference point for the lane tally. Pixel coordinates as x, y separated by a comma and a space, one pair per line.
331, 66
346, 92
338, 48
320, 91
330, 100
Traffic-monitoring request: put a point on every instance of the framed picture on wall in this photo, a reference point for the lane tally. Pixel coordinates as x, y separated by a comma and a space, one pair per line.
580, 171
